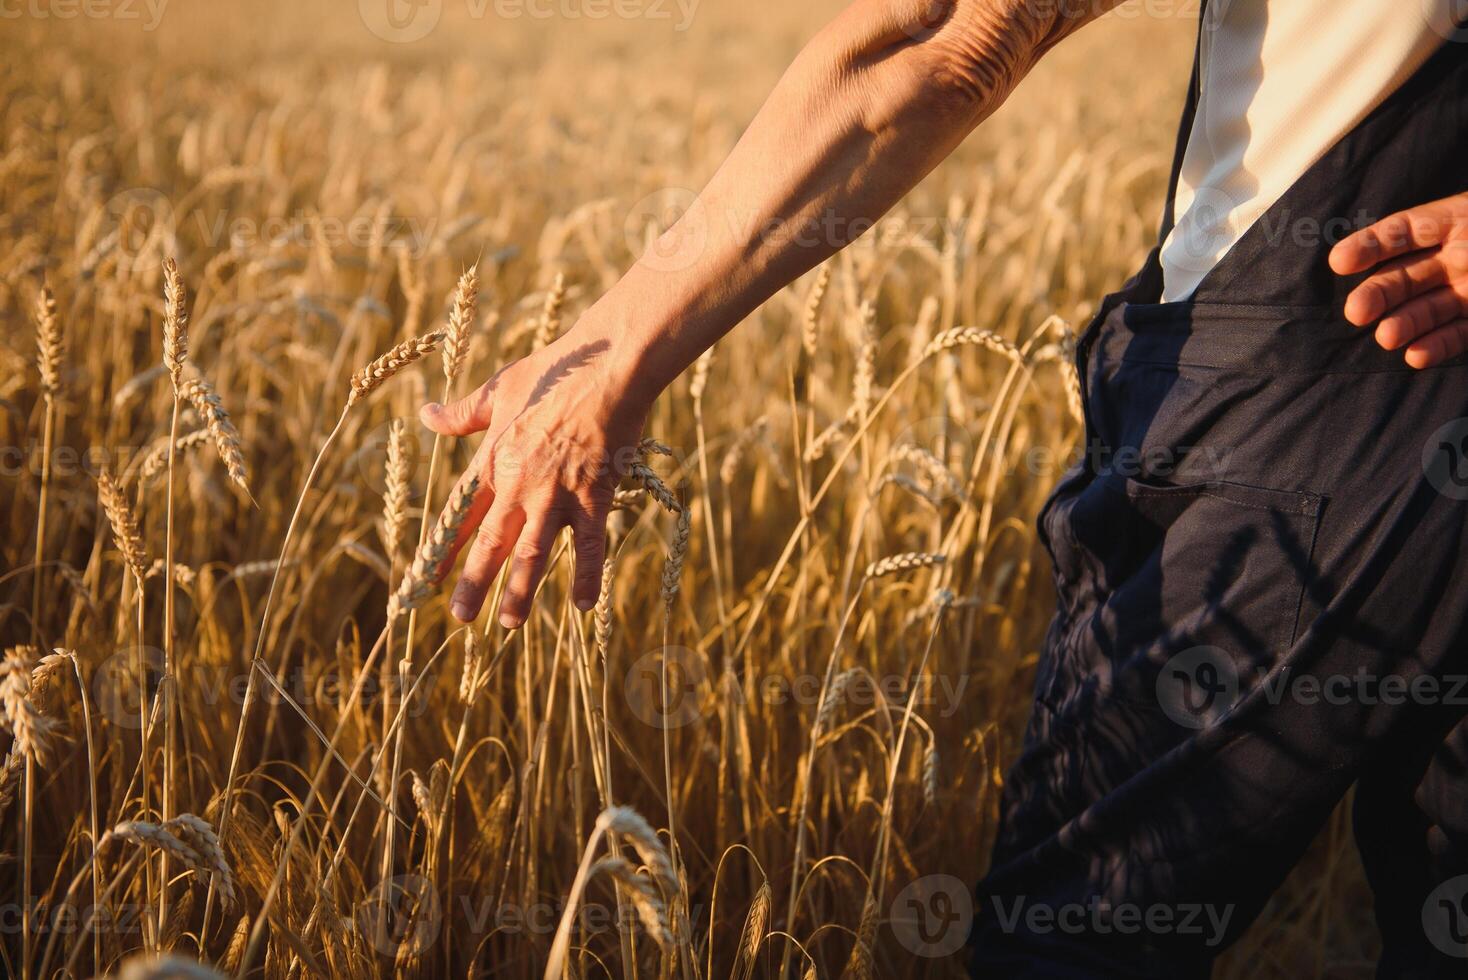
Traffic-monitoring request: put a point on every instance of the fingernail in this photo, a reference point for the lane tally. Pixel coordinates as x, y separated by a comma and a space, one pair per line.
509, 621
461, 610
586, 605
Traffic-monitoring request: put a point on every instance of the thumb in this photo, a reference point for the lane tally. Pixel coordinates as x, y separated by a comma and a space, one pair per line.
463, 417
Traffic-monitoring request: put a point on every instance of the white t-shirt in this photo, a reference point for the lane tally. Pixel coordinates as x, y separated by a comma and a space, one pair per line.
1281, 83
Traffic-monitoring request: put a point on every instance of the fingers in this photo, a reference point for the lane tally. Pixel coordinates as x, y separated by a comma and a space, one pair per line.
464, 417
1417, 317
1406, 231
1443, 343
1392, 285
588, 530
531, 554
493, 544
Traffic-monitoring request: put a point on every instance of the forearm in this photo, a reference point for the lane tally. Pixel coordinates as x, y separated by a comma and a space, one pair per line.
867, 109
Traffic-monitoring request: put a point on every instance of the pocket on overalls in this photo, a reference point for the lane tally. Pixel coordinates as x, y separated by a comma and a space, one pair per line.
1164, 568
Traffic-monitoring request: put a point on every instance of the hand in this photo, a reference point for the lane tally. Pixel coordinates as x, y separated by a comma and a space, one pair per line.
560, 429
1419, 289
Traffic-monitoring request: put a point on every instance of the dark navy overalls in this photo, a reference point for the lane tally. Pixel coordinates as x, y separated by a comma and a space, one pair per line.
1262, 568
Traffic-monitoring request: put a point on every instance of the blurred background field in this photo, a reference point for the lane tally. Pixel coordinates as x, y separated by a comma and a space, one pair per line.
323, 175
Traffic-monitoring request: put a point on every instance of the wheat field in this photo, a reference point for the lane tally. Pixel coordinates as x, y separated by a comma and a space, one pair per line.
810, 666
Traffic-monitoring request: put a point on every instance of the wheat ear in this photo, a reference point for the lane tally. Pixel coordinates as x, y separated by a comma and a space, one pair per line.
461, 318
50, 344
651, 908
418, 584
201, 394
375, 375
124, 525
175, 325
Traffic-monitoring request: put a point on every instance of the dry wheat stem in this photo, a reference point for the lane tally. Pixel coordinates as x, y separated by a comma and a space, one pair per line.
175, 354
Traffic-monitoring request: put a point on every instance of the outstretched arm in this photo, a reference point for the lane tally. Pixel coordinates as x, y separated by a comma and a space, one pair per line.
872, 104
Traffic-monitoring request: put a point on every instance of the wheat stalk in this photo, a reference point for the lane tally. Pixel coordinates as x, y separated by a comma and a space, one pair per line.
756, 923
677, 553
461, 318
156, 461
550, 314
196, 833
905, 562
31, 729
395, 499
376, 374
810, 320
175, 325
124, 525
650, 907
651, 482
859, 963
973, 336
50, 343
201, 394
427, 568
